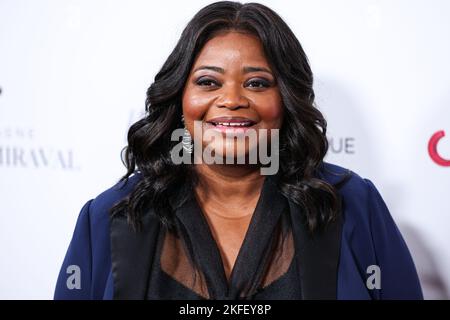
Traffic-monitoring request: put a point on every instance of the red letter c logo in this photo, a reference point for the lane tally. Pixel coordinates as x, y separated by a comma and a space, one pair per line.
432, 149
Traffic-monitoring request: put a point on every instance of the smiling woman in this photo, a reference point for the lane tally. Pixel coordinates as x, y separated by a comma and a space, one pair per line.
221, 229
231, 89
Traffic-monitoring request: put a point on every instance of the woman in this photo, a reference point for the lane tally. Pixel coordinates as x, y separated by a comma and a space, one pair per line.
206, 228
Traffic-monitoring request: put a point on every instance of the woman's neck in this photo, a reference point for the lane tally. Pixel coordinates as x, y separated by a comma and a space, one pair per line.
230, 185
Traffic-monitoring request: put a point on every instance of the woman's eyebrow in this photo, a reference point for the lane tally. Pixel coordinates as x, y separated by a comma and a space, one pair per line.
213, 68
245, 69
256, 69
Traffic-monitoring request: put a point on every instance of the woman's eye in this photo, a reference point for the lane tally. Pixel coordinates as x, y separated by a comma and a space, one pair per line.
206, 82
258, 83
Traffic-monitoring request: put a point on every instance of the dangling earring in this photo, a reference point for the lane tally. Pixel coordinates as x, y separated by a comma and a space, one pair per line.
187, 139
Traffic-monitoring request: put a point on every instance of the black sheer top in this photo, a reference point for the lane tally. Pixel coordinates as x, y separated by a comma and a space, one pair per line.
189, 265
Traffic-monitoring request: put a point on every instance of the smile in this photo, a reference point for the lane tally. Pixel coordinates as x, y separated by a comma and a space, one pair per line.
231, 122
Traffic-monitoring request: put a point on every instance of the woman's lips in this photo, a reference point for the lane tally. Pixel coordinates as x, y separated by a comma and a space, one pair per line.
230, 124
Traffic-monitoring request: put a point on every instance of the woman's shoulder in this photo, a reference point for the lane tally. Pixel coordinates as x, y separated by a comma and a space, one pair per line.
89, 250
109, 197
364, 209
371, 239
360, 196
346, 180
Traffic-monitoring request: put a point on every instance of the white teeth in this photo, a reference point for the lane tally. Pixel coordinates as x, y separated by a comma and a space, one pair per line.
233, 124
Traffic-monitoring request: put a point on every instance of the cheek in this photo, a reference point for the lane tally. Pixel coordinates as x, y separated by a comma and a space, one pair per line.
271, 112
194, 105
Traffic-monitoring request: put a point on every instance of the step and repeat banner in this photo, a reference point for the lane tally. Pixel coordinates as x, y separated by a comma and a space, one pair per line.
73, 77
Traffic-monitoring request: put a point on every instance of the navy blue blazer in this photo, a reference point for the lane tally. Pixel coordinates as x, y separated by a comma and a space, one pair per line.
372, 260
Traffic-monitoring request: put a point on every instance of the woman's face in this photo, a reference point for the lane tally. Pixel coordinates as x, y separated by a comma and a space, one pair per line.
231, 89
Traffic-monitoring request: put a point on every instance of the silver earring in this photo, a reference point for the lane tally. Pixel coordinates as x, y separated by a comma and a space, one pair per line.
187, 139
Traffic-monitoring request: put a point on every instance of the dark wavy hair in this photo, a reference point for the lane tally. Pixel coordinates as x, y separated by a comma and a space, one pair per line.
303, 142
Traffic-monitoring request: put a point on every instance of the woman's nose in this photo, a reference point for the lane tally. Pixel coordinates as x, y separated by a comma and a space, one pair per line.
232, 98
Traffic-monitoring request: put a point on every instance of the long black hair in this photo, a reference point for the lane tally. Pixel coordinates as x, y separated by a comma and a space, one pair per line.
303, 142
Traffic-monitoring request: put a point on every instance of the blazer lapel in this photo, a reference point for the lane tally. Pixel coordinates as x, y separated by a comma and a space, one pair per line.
317, 256
132, 256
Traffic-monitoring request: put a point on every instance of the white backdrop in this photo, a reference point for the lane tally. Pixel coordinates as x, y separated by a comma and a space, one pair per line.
73, 76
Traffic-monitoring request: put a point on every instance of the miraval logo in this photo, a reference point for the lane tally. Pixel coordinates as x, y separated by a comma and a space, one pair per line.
433, 152
18, 149
19, 157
